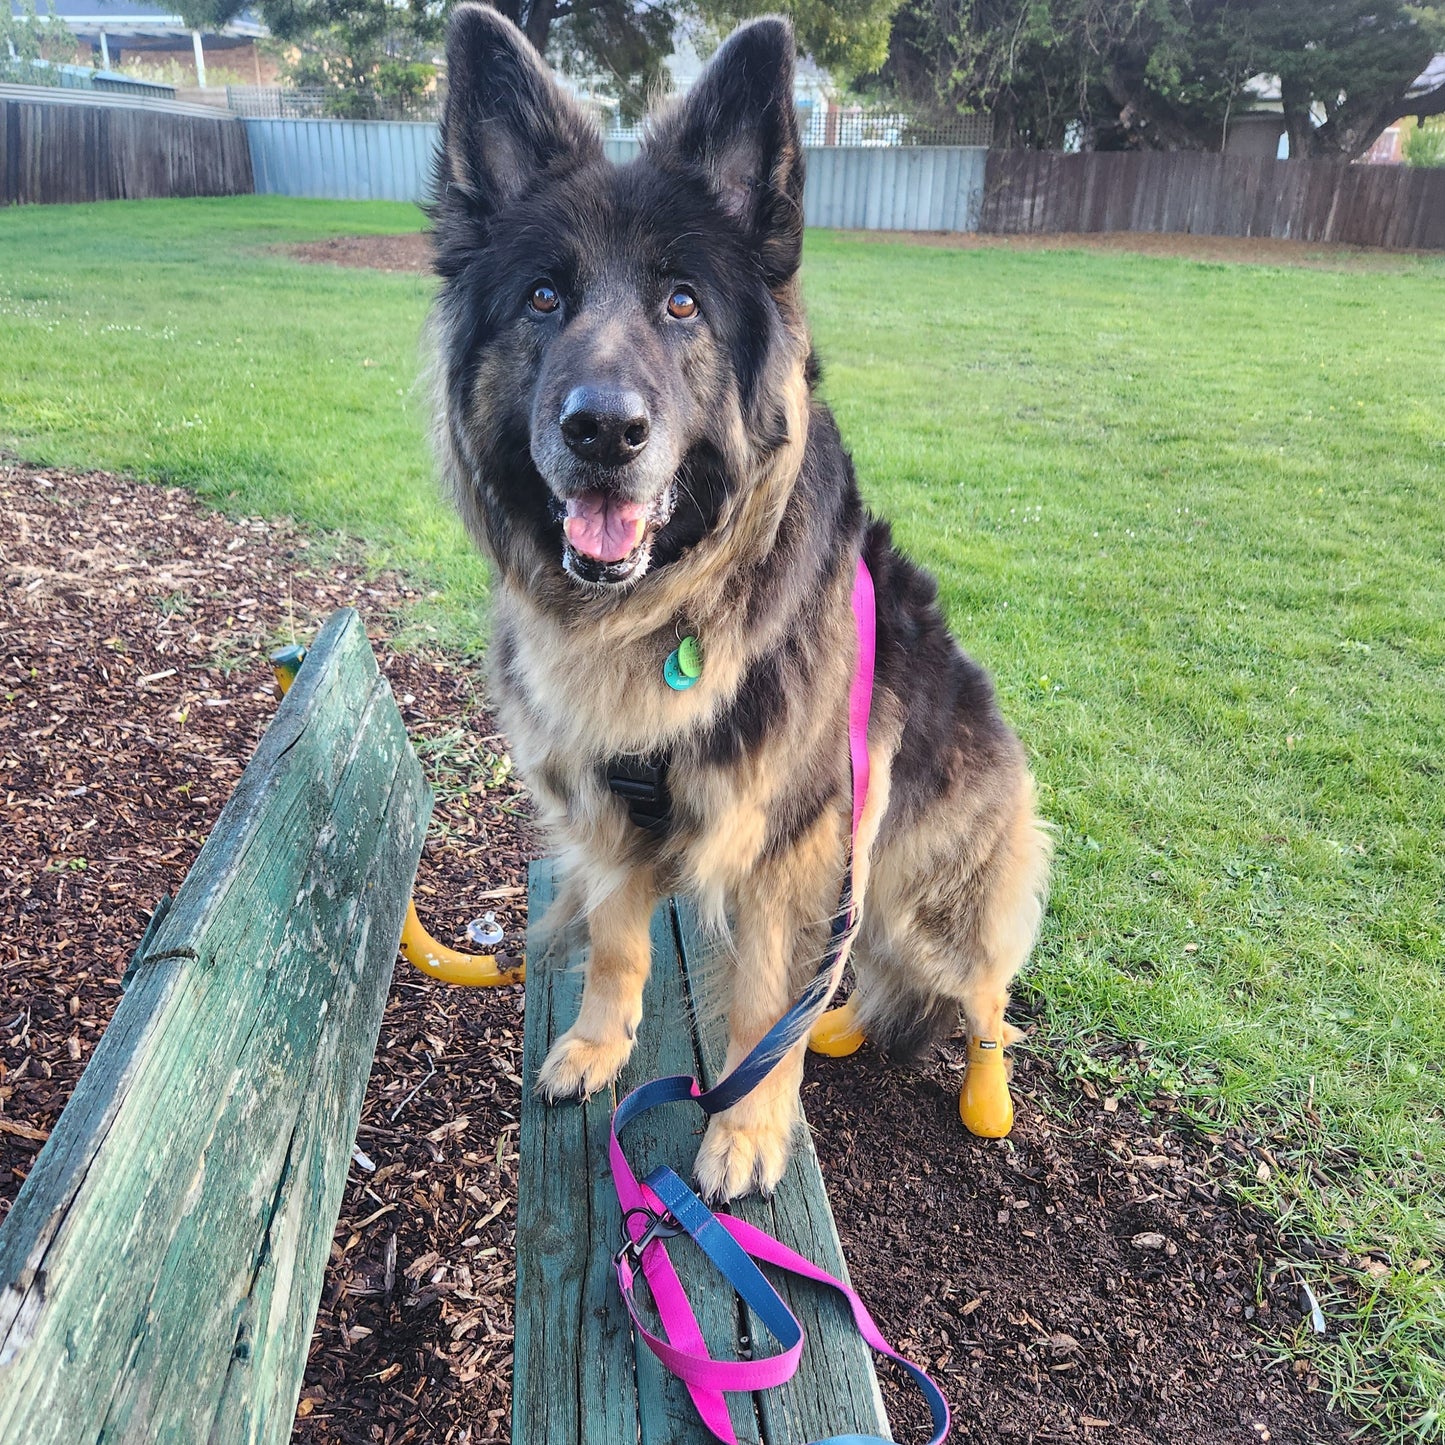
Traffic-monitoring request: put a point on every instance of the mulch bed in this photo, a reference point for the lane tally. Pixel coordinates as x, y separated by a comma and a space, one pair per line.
1090, 1278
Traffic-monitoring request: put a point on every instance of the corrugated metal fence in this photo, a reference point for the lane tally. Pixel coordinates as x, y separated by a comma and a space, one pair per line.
902, 188
342, 160
912, 188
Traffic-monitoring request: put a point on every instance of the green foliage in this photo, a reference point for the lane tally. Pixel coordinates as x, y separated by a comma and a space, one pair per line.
28, 37
1169, 74
371, 56
1425, 144
849, 37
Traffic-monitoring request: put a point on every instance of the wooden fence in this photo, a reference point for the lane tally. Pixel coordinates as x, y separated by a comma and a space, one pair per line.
55, 147
1214, 195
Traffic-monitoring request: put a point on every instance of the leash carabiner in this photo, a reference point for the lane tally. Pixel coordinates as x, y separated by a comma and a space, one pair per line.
659, 1226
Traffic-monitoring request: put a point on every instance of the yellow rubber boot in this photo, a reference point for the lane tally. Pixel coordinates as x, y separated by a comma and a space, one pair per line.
837, 1033
984, 1105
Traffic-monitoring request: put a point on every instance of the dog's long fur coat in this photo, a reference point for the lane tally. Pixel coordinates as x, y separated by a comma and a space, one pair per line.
627, 421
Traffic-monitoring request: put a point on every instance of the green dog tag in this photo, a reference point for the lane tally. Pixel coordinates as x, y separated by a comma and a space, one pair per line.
689, 657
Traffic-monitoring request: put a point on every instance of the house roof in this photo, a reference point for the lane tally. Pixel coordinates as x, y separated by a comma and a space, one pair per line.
1265, 88
1433, 77
140, 22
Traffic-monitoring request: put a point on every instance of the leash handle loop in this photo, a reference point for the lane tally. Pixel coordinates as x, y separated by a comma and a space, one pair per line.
733, 1245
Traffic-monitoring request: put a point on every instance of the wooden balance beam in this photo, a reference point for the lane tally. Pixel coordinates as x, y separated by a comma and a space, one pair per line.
579, 1376
161, 1268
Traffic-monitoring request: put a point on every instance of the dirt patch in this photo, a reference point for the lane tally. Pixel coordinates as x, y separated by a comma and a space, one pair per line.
412, 252
409, 252
1091, 1278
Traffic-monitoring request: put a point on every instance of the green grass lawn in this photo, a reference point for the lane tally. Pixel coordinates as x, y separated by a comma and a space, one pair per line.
175, 341
1191, 515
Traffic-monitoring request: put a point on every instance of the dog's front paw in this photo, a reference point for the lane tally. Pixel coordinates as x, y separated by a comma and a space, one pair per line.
736, 1159
576, 1067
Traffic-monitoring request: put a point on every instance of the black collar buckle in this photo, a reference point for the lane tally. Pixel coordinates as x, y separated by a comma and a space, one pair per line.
641, 783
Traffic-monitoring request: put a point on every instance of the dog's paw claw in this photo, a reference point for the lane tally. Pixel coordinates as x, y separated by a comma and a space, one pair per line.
735, 1160
576, 1067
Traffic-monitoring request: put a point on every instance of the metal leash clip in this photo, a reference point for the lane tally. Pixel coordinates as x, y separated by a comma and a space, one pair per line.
659, 1226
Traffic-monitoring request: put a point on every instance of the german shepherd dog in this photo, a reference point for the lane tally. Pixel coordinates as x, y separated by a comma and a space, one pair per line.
626, 418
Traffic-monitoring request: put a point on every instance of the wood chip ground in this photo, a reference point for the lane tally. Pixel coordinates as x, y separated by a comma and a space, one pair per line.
1091, 1278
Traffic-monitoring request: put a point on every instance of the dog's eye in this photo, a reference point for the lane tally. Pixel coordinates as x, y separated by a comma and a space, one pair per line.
682, 304
544, 298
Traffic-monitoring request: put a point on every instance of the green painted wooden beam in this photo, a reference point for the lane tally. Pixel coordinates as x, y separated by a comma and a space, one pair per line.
161, 1268
578, 1376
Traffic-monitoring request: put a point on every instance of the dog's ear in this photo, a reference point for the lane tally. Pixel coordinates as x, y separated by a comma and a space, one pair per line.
740, 125
506, 120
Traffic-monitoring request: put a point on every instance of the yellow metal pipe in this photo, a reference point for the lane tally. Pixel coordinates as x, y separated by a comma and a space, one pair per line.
436, 960
837, 1034
418, 947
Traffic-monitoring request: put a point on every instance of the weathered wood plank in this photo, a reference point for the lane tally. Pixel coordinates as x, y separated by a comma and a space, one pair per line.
160, 1269
578, 1376
836, 1389
554, 1238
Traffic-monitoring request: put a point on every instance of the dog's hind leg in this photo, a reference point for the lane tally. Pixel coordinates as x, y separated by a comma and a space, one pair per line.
1006, 914
592, 1052
949, 940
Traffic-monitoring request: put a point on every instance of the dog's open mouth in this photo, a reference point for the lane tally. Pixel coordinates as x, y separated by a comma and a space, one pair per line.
608, 539
606, 529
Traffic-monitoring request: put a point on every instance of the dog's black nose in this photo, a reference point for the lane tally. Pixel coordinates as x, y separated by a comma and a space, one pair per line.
607, 427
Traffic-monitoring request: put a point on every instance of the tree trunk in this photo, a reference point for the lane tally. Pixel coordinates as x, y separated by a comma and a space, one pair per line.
1353, 129
539, 23
1298, 123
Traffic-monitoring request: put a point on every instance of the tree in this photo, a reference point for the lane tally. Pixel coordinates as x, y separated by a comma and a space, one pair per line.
623, 44
1168, 74
618, 45
369, 55
1048, 69
1357, 61
30, 37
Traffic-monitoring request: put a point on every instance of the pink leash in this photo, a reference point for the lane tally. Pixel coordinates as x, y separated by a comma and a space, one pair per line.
663, 1206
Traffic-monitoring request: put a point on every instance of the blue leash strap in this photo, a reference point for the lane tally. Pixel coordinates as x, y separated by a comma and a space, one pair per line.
794, 1025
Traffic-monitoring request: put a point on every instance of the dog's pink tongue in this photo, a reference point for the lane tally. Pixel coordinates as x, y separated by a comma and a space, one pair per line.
603, 528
